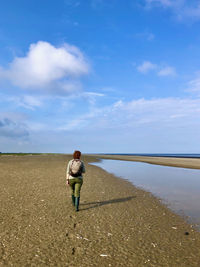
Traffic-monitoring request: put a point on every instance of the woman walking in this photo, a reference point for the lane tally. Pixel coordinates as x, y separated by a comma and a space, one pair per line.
74, 177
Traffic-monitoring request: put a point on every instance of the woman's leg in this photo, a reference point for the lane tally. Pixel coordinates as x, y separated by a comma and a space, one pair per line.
78, 186
72, 186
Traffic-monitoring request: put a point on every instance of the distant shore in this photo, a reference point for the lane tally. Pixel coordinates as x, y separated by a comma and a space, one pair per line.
191, 163
182, 162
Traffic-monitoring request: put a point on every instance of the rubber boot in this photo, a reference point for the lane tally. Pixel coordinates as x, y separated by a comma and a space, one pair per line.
73, 200
77, 200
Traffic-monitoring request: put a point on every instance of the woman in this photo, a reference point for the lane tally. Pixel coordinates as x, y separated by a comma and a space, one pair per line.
74, 177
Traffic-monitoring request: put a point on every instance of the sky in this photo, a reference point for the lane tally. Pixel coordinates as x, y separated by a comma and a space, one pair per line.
100, 76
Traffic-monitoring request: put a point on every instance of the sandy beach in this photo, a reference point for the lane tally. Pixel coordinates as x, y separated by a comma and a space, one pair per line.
117, 225
191, 163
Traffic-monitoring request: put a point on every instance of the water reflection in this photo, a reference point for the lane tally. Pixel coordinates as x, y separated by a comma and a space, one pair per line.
178, 187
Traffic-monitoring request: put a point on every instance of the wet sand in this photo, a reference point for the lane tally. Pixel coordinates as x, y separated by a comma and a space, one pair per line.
117, 225
191, 163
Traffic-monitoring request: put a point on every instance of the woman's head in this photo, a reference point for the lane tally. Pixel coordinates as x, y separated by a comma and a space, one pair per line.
77, 154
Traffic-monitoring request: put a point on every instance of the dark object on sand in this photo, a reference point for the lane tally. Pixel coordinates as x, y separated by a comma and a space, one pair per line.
186, 233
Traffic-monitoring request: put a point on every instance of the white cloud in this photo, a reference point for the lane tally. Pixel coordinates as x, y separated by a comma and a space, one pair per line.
146, 66
31, 101
192, 12
145, 35
165, 3
167, 71
74, 124
47, 66
182, 9
37, 126
148, 119
160, 112
194, 85
36, 102
26, 101
92, 96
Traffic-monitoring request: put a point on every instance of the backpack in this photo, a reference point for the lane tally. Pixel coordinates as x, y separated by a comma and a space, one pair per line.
76, 168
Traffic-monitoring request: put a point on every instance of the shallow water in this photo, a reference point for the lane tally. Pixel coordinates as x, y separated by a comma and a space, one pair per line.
179, 188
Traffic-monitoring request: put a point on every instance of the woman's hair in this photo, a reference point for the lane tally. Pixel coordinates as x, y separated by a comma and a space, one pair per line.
77, 154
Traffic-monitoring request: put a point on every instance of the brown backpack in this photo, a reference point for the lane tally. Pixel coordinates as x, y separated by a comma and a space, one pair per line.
76, 168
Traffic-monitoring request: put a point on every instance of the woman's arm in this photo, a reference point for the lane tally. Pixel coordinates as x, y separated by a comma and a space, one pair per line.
83, 168
67, 173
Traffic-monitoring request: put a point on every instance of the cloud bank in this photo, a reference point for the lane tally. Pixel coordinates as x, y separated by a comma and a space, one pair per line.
159, 113
12, 129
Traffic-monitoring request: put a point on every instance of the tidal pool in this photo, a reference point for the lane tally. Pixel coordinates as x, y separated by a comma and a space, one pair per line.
179, 188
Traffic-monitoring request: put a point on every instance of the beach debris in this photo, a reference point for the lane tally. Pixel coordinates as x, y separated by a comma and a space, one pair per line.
42, 200
186, 233
174, 227
109, 234
147, 261
104, 255
81, 237
153, 244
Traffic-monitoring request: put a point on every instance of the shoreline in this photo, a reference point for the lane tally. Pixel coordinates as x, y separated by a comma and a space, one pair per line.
183, 220
190, 163
118, 224
192, 217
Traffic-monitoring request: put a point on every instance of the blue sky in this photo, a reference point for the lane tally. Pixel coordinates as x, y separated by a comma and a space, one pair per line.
100, 76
